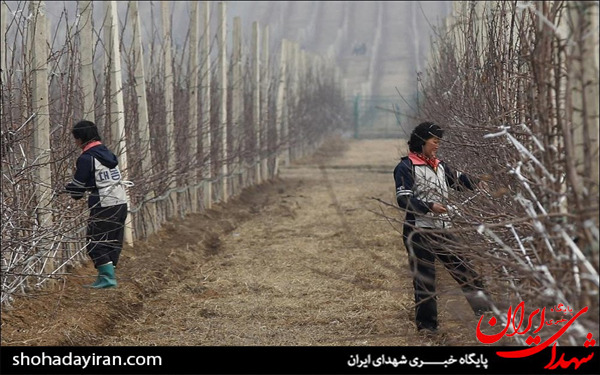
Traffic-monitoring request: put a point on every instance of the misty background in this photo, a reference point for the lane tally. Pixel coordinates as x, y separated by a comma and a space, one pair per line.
378, 45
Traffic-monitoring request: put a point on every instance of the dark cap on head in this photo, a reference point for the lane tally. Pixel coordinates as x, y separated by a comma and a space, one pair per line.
86, 131
422, 133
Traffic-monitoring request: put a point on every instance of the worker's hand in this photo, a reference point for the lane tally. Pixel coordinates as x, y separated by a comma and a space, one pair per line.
438, 208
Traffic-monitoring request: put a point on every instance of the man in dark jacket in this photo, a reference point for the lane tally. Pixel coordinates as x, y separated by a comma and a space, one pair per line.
98, 173
422, 184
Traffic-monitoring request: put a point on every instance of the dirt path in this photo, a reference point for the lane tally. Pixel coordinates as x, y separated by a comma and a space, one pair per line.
303, 260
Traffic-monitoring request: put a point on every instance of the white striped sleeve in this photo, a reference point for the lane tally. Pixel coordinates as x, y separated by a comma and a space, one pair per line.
401, 191
78, 183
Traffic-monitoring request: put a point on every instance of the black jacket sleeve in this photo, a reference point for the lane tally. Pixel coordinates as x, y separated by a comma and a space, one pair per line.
403, 177
83, 172
459, 181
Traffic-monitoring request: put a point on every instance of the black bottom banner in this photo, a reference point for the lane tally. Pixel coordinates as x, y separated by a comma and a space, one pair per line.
299, 360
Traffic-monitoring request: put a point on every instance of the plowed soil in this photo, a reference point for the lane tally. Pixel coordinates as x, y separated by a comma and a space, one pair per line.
306, 259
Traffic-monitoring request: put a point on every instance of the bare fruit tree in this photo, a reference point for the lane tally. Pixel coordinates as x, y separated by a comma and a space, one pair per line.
515, 85
163, 106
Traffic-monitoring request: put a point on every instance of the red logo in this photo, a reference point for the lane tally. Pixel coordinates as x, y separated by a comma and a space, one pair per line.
516, 318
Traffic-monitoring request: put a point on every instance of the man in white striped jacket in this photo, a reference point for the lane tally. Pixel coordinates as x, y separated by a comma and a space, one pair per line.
97, 172
422, 183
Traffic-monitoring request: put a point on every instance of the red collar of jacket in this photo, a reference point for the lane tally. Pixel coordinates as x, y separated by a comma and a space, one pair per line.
420, 159
90, 145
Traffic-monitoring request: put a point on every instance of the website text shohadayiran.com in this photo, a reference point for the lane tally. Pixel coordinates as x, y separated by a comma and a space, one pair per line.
85, 360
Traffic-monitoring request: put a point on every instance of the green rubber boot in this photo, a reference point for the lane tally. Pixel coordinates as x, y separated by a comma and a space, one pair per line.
106, 277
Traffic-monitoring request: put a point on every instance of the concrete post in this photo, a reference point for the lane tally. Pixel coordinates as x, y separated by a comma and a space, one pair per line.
292, 98
222, 77
117, 114
38, 38
256, 98
194, 127
3, 13
237, 104
206, 107
281, 111
171, 207
148, 159
87, 61
302, 87
264, 96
